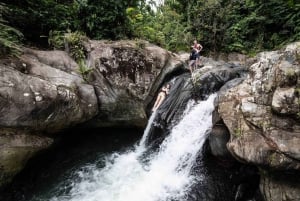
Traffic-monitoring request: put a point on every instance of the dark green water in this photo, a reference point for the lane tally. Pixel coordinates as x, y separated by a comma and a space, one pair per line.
76, 149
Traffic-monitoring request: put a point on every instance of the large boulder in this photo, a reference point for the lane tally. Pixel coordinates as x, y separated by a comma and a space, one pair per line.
262, 113
40, 94
40, 97
213, 75
126, 76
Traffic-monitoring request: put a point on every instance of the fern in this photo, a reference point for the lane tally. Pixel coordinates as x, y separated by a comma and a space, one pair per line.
72, 42
84, 70
56, 39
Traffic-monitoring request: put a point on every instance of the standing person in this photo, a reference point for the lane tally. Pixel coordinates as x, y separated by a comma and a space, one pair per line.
197, 47
161, 96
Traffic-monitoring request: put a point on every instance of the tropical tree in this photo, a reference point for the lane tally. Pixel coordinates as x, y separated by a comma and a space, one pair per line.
97, 18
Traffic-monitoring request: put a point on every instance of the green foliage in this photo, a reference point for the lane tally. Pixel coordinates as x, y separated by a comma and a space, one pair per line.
177, 36
72, 42
263, 25
165, 27
245, 26
142, 25
35, 20
83, 69
56, 39
244, 30
106, 19
97, 18
9, 37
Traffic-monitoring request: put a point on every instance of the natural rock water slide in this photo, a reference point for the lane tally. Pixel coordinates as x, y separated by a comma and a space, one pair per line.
257, 110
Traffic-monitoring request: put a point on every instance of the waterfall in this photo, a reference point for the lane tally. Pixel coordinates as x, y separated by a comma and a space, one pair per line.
167, 174
147, 129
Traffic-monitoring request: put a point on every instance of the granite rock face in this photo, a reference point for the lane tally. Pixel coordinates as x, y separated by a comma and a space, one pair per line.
41, 93
40, 97
126, 77
262, 115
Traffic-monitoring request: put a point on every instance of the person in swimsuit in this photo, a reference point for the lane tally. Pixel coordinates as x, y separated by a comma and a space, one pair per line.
195, 55
161, 96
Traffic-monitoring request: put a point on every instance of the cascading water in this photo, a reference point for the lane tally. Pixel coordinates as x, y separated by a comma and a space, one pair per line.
165, 176
147, 129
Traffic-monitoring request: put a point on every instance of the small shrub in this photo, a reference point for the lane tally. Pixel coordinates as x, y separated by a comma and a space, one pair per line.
84, 70
72, 42
56, 39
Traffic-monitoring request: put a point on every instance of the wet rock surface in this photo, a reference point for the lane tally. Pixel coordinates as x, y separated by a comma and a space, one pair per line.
196, 86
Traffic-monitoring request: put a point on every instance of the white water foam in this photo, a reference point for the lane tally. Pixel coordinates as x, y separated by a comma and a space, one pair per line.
167, 175
147, 129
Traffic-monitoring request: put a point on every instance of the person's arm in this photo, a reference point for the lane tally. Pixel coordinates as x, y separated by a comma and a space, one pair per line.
200, 47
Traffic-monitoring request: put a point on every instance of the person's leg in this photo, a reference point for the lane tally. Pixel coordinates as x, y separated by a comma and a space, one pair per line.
198, 60
191, 65
194, 65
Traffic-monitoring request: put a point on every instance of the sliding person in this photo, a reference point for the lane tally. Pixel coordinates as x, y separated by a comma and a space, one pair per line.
161, 96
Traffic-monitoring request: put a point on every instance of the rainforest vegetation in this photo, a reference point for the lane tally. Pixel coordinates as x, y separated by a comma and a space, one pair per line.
245, 26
